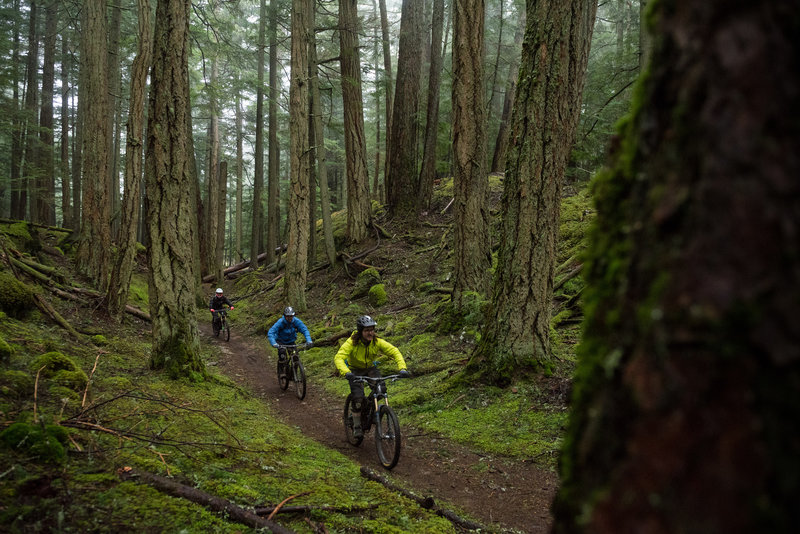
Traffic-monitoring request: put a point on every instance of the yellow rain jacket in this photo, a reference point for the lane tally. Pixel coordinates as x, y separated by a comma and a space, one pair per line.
360, 357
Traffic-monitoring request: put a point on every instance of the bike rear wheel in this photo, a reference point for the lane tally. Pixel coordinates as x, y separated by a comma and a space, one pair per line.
387, 437
283, 375
348, 422
299, 374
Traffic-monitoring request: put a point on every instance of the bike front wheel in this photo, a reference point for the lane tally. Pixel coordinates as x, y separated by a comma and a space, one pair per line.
299, 377
348, 422
387, 437
227, 330
283, 375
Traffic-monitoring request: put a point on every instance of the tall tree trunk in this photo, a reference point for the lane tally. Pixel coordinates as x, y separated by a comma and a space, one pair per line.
472, 250
29, 127
45, 153
222, 204
402, 173
119, 285
297, 217
77, 145
17, 122
212, 215
172, 223
501, 144
320, 153
685, 402
114, 103
238, 256
274, 196
543, 128
428, 172
258, 179
645, 40
388, 82
358, 203
93, 254
66, 68
492, 86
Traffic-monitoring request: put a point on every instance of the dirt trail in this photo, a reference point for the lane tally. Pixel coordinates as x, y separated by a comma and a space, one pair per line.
507, 495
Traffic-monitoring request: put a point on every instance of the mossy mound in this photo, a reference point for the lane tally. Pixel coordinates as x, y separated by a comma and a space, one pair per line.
73, 380
52, 362
364, 281
377, 295
16, 298
5, 350
15, 384
42, 443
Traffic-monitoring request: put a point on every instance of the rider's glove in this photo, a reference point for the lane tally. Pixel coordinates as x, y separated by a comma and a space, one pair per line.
275, 346
309, 345
231, 307
349, 376
212, 310
404, 373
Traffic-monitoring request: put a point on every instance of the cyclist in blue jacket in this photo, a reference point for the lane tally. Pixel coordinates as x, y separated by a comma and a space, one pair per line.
284, 332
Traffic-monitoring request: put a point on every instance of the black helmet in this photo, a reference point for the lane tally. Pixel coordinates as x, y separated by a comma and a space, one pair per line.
365, 321
289, 311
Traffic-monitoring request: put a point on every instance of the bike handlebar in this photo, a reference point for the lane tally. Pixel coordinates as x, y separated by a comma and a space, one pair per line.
369, 380
223, 309
301, 346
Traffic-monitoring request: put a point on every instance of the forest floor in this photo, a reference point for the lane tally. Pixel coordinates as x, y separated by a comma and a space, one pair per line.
509, 494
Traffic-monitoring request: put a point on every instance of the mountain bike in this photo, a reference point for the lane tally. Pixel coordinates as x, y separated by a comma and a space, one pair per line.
292, 370
375, 410
221, 325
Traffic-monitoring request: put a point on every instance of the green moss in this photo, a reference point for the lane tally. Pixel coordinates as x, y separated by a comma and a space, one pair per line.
65, 394
16, 298
377, 295
99, 340
52, 362
15, 384
45, 444
5, 350
364, 281
74, 380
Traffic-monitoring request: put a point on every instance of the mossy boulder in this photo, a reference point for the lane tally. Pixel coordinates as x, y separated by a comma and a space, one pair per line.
70, 396
377, 295
42, 443
15, 384
52, 362
99, 340
16, 298
364, 281
21, 236
74, 380
5, 350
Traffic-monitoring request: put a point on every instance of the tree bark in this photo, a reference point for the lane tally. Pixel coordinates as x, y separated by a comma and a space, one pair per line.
685, 396
388, 82
554, 58
28, 130
501, 144
212, 215
238, 254
358, 202
274, 196
45, 162
15, 163
94, 246
66, 69
429, 160
114, 101
119, 285
472, 252
258, 178
300, 155
171, 219
402, 173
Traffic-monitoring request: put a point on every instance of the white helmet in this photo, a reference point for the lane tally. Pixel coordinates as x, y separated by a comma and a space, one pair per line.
219, 291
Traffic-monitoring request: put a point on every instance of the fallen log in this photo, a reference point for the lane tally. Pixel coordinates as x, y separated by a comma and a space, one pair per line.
425, 502
330, 340
267, 510
217, 504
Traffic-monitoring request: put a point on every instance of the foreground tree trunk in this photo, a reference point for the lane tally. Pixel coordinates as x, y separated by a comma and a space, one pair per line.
300, 155
355, 144
94, 246
119, 285
684, 417
545, 117
45, 179
472, 256
258, 174
171, 221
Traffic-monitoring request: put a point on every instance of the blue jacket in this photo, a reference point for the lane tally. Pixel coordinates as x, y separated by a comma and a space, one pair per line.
285, 333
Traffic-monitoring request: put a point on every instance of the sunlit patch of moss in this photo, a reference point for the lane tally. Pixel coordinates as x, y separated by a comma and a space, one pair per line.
377, 295
51, 362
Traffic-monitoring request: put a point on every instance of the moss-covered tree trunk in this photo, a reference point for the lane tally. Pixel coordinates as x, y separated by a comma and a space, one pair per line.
119, 284
472, 258
300, 155
545, 116
94, 246
687, 394
171, 219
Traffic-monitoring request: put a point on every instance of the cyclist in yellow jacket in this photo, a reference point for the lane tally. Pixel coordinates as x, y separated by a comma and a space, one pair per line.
356, 357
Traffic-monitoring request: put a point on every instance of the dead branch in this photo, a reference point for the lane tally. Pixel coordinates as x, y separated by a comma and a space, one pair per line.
332, 339
427, 502
575, 271
284, 501
266, 510
216, 504
448, 206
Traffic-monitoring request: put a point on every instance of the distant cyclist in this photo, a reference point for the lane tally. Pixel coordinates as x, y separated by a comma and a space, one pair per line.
284, 332
356, 357
217, 302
